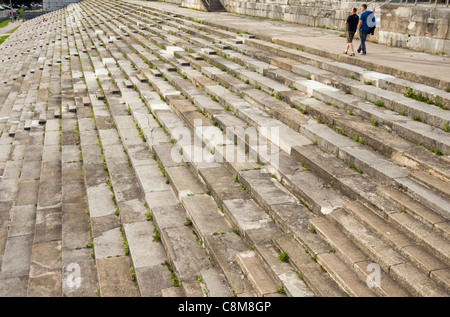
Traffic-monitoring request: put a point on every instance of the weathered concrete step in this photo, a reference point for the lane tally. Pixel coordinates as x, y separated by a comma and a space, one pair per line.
184, 182
206, 216
418, 233
379, 78
311, 189
184, 238
281, 271
187, 265
426, 196
286, 210
432, 182
375, 165
432, 137
386, 257
192, 289
419, 211
344, 276
345, 178
367, 91
147, 257
173, 292
346, 250
253, 268
307, 269
385, 81
389, 144
215, 283
223, 248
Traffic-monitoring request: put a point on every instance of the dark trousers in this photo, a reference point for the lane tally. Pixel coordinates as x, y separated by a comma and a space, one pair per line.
362, 37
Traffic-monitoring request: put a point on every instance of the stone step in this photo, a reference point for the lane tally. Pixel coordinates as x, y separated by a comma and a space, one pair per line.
192, 289
432, 244
319, 281
173, 292
386, 257
431, 182
219, 242
351, 255
260, 279
347, 179
287, 211
417, 210
344, 276
385, 81
216, 284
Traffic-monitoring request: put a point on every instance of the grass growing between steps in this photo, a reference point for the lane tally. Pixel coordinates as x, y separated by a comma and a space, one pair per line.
3, 38
175, 280
419, 97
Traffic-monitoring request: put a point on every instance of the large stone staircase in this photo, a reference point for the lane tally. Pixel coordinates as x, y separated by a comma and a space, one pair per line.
153, 155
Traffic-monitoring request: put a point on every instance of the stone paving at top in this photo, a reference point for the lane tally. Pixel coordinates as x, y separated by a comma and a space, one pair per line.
151, 150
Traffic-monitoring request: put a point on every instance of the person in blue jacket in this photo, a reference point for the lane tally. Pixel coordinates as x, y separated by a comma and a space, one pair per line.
365, 21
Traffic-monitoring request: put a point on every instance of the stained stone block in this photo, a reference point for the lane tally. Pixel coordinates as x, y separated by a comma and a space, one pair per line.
45, 270
185, 252
109, 244
23, 220
48, 225
17, 256
153, 280
144, 251
115, 277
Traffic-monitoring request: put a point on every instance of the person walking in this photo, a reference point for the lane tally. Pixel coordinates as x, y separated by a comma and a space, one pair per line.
363, 28
351, 25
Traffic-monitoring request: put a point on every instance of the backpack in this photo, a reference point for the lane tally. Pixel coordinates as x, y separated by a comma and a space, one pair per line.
372, 24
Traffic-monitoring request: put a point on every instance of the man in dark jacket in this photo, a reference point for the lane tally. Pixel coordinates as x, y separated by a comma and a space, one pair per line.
352, 24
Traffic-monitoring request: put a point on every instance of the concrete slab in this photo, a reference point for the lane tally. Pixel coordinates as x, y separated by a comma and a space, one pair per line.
145, 252
115, 278
109, 244
100, 201
45, 270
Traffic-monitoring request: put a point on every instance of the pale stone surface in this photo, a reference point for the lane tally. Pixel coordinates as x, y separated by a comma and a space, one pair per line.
100, 201
144, 251
115, 277
109, 244
254, 270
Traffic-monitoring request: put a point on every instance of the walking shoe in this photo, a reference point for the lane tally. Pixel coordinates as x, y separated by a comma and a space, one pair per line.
352, 54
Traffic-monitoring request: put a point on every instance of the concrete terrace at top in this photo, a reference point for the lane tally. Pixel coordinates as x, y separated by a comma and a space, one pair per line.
324, 42
315, 176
